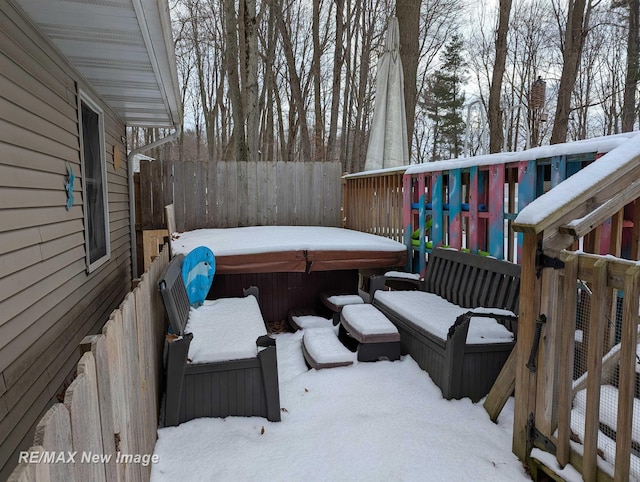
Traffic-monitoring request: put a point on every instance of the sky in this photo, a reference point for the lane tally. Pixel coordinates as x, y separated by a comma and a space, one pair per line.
382, 421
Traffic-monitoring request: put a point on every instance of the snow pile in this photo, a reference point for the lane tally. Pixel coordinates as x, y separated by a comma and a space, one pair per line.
369, 421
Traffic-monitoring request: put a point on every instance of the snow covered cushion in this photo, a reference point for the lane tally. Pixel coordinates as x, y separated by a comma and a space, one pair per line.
433, 314
225, 329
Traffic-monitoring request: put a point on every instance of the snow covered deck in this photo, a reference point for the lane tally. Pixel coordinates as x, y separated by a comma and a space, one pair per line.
265, 249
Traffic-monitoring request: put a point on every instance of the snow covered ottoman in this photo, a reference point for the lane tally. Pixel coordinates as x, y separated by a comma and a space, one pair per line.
336, 301
219, 359
377, 337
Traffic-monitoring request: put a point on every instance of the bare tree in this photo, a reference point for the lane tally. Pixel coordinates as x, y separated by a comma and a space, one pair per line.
251, 88
333, 146
576, 29
295, 84
233, 75
631, 81
495, 112
408, 13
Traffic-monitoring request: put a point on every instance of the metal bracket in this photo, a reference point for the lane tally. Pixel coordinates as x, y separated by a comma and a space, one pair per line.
531, 364
544, 261
536, 438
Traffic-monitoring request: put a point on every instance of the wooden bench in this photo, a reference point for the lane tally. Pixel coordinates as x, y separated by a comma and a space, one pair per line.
460, 326
219, 359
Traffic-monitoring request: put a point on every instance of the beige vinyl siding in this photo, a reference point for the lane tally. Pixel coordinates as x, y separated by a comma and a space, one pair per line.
48, 302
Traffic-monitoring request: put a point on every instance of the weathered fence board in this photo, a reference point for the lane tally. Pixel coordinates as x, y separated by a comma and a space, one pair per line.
110, 411
229, 194
98, 349
53, 434
81, 399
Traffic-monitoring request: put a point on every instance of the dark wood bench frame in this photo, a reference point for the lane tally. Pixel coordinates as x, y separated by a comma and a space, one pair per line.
246, 387
470, 281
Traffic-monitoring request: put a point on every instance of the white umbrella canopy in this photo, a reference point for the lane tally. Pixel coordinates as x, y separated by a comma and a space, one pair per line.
388, 144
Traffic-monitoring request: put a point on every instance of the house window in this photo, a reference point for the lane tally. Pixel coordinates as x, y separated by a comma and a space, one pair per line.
94, 184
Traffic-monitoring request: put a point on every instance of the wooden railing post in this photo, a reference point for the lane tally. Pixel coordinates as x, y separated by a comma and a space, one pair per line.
594, 368
551, 303
627, 373
525, 391
566, 358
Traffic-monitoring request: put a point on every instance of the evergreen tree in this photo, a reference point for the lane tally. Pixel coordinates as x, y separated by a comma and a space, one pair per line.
443, 101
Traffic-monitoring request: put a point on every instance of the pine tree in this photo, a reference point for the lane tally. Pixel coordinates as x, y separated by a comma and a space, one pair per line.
443, 101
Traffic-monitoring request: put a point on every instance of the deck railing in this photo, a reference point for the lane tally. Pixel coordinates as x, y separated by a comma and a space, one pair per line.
467, 204
577, 383
372, 203
109, 417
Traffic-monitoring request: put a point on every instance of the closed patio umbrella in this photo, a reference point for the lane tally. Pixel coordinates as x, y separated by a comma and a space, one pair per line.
388, 145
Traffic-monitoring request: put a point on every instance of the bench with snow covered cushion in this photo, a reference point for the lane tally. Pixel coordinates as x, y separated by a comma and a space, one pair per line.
377, 337
461, 326
219, 359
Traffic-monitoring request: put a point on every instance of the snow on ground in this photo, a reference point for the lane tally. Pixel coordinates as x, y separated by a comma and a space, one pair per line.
265, 239
378, 421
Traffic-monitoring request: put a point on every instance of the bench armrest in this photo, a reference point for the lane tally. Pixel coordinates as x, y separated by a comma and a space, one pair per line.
403, 284
510, 322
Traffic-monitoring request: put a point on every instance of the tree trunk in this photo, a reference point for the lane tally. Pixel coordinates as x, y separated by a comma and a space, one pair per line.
359, 151
251, 86
240, 147
333, 146
296, 86
629, 105
496, 133
576, 30
318, 154
408, 13
268, 128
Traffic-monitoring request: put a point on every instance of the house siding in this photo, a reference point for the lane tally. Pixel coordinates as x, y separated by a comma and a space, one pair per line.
48, 302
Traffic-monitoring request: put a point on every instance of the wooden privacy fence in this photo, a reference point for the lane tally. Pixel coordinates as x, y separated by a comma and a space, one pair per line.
105, 429
223, 194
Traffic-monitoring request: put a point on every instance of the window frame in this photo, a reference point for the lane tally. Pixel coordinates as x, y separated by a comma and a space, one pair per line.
85, 99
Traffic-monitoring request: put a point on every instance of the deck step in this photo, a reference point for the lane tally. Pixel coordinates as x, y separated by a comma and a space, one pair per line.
322, 349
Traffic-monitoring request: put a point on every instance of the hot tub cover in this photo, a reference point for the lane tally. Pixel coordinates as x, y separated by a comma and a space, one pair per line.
264, 249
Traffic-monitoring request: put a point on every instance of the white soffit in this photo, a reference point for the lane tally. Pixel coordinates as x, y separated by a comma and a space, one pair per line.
124, 48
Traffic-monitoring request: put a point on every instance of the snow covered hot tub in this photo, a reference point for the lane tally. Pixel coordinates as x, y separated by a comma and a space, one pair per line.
271, 249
